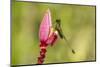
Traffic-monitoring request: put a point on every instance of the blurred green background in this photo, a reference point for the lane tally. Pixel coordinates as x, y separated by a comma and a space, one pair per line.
78, 25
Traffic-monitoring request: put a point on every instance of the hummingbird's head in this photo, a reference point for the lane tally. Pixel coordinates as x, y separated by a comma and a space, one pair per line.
58, 21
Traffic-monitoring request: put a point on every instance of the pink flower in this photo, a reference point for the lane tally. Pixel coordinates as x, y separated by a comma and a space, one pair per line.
47, 35
45, 26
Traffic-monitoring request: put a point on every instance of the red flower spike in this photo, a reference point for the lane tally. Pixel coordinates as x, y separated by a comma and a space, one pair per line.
54, 39
46, 35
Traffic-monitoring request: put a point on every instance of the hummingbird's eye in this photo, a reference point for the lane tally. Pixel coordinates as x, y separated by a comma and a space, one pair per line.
58, 20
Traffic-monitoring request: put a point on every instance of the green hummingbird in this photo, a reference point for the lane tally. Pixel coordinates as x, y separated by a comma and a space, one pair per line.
60, 33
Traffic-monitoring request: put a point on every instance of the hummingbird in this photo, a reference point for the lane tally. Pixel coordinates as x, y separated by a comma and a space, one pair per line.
61, 34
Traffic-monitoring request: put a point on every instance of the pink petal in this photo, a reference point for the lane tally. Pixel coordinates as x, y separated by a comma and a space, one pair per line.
45, 26
51, 40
